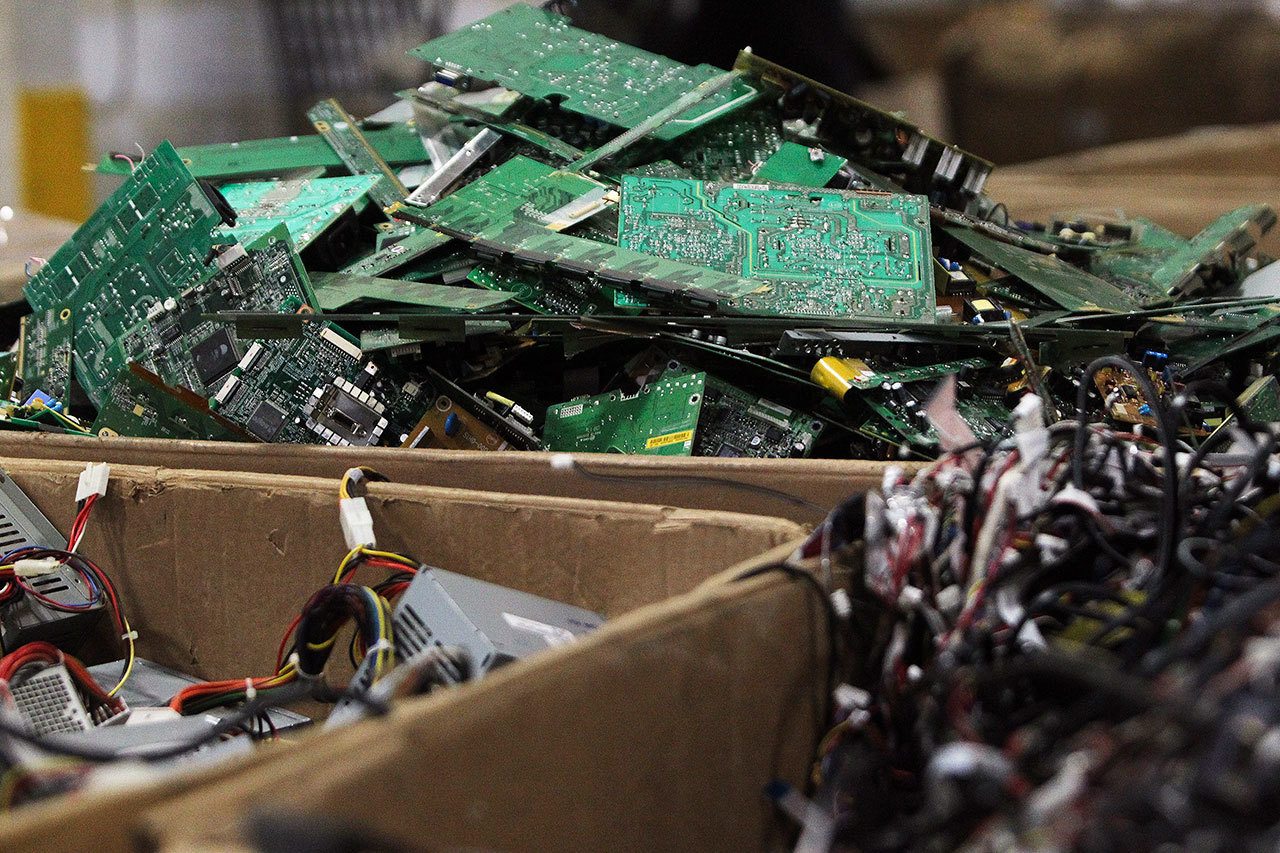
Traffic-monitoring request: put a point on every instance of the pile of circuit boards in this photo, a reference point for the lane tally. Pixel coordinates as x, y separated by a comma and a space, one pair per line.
561, 242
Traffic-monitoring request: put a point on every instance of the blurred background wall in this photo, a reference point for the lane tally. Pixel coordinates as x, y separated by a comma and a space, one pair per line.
1013, 80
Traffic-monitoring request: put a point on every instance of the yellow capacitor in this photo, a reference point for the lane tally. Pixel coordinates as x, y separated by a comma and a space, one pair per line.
839, 375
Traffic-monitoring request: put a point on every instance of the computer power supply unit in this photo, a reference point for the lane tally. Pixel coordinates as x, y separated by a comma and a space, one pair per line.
27, 619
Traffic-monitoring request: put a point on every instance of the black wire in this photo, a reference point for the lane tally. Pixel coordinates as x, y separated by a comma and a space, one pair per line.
1218, 515
228, 725
1169, 506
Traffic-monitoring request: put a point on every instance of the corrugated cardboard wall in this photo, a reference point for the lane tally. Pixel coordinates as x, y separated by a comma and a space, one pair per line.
213, 565
659, 735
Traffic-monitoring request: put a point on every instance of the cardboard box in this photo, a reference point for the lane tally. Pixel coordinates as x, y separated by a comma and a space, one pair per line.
800, 489
1183, 182
1028, 79
660, 732
212, 565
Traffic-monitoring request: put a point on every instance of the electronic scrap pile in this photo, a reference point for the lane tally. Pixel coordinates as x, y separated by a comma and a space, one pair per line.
561, 242
1066, 642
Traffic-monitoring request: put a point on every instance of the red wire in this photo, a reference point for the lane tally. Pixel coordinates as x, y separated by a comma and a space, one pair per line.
377, 563
81, 523
284, 642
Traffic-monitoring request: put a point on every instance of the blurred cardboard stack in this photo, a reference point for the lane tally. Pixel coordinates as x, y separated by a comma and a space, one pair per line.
1182, 181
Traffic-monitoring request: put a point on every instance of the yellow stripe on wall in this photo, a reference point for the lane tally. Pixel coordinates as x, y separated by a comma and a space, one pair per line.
53, 146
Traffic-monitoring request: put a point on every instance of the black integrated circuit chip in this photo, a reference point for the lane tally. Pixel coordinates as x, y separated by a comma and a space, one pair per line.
215, 356
266, 421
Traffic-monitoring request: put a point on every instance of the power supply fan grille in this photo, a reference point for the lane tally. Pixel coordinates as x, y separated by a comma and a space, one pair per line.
50, 703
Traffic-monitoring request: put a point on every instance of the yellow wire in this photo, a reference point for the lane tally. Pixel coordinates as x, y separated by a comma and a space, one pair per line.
386, 647
346, 561
71, 422
362, 551
128, 668
343, 491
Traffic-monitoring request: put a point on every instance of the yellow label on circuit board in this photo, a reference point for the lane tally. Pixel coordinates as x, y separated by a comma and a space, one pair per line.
669, 438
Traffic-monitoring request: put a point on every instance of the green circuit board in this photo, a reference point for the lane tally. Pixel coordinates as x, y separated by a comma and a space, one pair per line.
1068, 286
507, 216
398, 144
8, 372
336, 291
523, 190
305, 207
736, 423
185, 347
396, 255
732, 148
356, 152
802, 165
46, 349
546, 295
989, 419
151, 241
881, 141
539, 54
868, 377
1161, 264
318, 388
141, 405
658, 420
822, 252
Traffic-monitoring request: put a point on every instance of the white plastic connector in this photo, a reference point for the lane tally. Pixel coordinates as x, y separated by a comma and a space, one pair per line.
93, 481
841, 603
849, 698
27, 568
357, 523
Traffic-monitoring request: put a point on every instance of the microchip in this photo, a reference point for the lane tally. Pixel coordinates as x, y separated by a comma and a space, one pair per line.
215, 356
170, 332
774, 434
730, 450
267, 421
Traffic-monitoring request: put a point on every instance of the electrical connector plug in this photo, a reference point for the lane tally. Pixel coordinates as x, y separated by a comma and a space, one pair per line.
93, 481
32, 568
357, 523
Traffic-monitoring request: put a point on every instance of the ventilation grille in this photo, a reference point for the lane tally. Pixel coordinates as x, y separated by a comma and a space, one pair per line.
21, 523
50, 703
63, 586
412, 633
12, 537
414, 636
